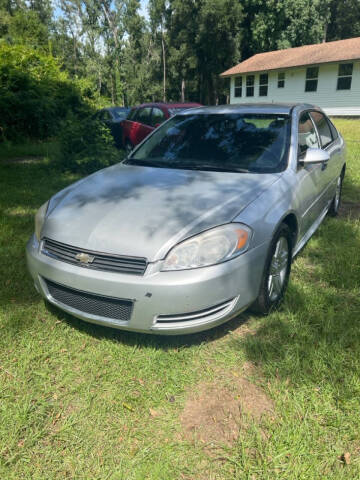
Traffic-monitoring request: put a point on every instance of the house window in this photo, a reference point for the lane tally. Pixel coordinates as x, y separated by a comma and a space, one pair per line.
250, 81
344, 76
311, 82
238, 87
263, 84
281, 79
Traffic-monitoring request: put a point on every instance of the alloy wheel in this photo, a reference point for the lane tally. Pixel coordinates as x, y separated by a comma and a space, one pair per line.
278, 269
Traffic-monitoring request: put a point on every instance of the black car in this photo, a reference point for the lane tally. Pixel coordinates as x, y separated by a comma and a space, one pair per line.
112, 118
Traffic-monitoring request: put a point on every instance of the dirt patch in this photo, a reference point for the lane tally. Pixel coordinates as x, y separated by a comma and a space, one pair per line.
217, 412
349, 209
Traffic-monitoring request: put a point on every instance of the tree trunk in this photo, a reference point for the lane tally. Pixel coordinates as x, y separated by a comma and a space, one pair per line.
75, 55
112, 89
164, 64
183, 90
114, 31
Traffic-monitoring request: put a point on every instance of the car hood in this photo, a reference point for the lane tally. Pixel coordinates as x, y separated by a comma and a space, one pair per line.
144, 211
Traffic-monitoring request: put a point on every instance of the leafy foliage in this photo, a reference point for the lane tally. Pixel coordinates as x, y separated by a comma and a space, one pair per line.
86, 145
96, 52
35, 95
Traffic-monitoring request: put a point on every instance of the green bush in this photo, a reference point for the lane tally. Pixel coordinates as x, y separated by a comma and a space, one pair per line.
86, 145
35, 95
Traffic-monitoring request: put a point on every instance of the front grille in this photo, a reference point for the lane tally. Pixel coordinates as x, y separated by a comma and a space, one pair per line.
99, 261
99, 305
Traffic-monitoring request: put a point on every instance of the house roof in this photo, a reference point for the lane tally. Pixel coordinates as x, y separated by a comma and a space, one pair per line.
294, 57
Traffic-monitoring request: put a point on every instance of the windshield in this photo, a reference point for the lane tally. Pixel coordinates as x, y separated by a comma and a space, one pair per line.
219, 142
120, 112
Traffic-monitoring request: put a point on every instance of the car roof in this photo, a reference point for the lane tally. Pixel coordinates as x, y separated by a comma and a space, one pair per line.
169, 105
261, 108
116, 108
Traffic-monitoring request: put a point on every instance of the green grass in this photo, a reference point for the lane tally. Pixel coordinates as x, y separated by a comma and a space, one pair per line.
75, 398
27, 150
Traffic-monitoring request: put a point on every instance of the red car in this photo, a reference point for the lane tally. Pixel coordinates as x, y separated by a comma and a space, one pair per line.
144, 118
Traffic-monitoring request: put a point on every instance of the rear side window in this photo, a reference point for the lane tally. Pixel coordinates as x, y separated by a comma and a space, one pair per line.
144, 116
157, 117
334, 132
307, 134
132, 115
322, 128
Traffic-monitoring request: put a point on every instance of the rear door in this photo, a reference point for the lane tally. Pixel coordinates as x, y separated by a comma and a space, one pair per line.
128, 125
143, 125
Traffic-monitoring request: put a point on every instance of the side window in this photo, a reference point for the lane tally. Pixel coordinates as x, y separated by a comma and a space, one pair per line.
106, 117
281, 79
322, 128
238, 87
144, 116
250, 81
334, 132
344, 76
263, 84
307, 134
157, 116
133, 114
311, 81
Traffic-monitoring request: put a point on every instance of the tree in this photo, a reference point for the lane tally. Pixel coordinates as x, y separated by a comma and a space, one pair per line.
219, 31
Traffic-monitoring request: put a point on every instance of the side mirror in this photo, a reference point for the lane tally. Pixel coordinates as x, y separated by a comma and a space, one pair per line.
315, 155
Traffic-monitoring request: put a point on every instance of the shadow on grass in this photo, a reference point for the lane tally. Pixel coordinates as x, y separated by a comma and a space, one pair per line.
315, 337
163, 342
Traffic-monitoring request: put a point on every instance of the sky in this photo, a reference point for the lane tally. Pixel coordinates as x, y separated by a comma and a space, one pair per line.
143, 11
144, 4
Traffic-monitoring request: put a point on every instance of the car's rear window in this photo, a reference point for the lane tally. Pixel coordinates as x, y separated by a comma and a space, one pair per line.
220, 142
120, 113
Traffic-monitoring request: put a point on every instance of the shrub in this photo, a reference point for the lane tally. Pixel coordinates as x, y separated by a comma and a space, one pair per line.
35, 95
86, 145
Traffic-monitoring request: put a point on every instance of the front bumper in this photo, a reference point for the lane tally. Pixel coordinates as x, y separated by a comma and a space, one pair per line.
170, 303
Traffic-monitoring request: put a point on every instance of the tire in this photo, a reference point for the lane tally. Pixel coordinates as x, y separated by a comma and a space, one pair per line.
336, 201
128, 147
273, 285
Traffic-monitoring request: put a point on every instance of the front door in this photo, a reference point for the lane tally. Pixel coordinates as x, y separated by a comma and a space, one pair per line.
312, 179
332, 170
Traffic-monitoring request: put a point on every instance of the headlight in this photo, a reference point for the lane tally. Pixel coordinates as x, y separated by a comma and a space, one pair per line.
208, 248
39, 219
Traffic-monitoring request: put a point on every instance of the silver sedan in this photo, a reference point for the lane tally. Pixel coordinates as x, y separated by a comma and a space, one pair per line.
200, 222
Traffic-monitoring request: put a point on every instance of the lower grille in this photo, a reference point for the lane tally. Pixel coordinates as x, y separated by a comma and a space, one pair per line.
109, 307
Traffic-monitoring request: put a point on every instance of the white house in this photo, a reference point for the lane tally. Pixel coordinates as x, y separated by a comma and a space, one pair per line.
325, 74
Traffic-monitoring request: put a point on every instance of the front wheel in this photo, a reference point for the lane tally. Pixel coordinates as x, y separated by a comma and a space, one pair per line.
276, 272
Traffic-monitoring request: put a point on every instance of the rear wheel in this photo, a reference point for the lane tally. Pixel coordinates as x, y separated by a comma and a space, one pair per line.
336, 201
276, 272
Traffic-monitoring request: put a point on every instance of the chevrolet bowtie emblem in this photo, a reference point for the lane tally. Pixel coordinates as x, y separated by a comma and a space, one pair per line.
84, 258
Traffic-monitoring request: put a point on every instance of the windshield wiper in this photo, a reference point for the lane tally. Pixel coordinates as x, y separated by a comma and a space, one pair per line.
184, 166
144, 163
